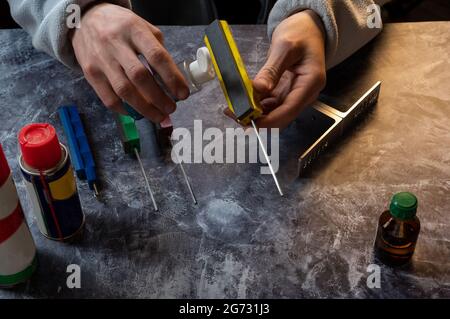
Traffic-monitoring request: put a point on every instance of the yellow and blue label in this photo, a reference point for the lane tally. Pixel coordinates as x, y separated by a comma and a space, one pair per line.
57, 204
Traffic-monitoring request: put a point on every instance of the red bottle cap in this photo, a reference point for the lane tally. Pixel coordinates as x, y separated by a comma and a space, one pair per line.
4, 167
40, 146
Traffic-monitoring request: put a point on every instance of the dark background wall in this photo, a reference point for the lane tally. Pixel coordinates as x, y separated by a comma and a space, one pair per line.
5, 17
418, 10
178, 12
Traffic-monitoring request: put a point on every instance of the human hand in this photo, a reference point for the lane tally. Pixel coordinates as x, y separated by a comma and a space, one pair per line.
295, 71
107, 47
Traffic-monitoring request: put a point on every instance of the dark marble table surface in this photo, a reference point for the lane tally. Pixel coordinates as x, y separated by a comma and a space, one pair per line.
242, 239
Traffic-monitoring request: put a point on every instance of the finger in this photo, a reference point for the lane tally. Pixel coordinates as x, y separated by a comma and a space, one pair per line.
161, 61
284, 86
141, 78
278, 94
104, 91
279, 60
304, 92
128, 92
157, 33
269, 104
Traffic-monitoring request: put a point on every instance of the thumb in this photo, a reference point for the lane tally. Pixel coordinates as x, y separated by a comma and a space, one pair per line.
268, 77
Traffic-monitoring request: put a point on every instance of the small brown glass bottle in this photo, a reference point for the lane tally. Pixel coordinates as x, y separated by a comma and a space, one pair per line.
398, 230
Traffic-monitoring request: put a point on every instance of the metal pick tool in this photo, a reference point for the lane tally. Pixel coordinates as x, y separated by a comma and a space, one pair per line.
267, 158
147, 184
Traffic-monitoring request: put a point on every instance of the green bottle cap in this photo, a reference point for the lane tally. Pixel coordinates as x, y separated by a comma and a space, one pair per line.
403, 205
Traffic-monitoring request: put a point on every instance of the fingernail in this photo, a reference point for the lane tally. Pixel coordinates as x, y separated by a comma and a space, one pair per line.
268, 84
183, 93
264, 83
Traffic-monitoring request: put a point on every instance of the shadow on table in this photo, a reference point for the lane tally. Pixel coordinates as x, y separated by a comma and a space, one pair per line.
50, 279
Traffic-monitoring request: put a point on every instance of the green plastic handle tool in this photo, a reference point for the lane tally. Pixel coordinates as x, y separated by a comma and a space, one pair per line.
129, 134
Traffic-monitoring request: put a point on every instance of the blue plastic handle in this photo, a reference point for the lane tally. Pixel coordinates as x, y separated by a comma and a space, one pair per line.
75, 155
78, 144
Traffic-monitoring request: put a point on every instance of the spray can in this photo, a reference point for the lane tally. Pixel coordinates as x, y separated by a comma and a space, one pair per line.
50, 182
17, 250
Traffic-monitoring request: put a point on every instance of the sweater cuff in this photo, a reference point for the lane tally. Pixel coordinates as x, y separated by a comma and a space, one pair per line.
285, 8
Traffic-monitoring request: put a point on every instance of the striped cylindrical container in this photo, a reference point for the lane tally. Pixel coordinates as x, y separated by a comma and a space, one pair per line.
17, 249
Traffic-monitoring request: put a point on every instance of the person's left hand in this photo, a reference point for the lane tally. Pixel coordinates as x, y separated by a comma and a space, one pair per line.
295, 71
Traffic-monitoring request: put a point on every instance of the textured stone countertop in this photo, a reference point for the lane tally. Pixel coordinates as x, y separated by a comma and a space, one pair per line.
242, 239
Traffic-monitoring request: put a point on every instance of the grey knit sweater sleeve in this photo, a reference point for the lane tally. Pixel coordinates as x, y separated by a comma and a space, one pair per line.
345, 21
46, 22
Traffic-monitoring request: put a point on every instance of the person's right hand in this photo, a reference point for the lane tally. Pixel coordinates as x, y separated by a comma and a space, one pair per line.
107, 46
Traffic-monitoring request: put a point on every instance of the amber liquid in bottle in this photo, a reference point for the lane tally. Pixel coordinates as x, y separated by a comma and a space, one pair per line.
396, 239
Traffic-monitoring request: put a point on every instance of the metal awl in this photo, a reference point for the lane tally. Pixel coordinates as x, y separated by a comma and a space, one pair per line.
194, 199
267, 158
147, 184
